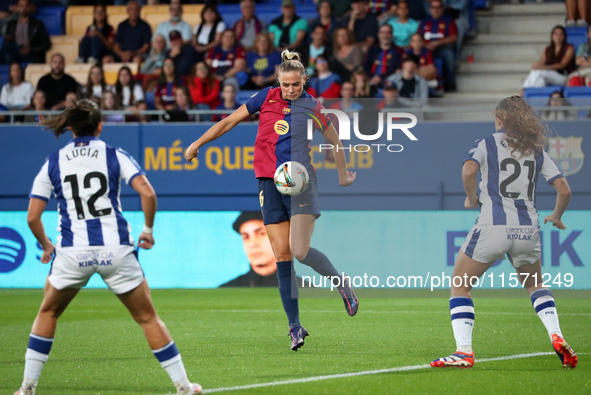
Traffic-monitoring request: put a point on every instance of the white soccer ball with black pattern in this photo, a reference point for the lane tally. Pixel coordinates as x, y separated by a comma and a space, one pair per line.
291, 178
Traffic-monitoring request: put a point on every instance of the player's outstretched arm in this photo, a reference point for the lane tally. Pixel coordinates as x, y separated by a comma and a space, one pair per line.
36, 208
346, 177
216, 131
563, 195
148, 196
470, 180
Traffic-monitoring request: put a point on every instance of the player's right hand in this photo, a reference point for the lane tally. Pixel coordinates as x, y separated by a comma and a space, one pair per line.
471, 203
47, 254
146, 241
556, 222
191, 152
350, 178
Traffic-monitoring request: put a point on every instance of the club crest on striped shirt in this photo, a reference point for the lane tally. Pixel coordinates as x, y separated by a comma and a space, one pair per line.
567, 152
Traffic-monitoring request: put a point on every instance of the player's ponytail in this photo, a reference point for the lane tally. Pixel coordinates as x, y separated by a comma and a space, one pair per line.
526, 131
83, 119
291, 61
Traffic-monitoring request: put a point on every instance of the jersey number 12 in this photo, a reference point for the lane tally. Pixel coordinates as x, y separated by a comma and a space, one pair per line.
73, 180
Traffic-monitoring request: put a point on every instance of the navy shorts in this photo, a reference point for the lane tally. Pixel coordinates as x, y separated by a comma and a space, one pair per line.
277, 207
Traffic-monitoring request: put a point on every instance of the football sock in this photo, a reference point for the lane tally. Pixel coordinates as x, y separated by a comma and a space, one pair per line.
288, 290
543, 302
322, 265
37, 354
462, 322
170, 359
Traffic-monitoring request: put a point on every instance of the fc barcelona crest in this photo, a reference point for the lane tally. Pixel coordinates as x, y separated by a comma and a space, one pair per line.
286, 110
567, 152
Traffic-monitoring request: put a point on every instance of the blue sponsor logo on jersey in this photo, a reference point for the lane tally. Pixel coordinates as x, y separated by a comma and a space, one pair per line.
12, 250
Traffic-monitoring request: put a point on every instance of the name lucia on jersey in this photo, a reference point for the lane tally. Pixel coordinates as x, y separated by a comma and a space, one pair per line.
84, 176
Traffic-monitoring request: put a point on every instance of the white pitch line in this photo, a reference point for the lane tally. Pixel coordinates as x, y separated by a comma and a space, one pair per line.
375, 312
363, 373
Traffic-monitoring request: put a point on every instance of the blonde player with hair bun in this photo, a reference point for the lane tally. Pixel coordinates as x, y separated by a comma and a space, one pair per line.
289, 224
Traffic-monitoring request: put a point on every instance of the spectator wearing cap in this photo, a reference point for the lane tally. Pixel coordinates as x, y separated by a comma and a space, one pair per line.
363, 25
409, 83
132, 41
441, 34
228, 60
25, 38
326, 19
390, 100
384, 59
288, 30
175, 23
183, 55
249, 25
325, 84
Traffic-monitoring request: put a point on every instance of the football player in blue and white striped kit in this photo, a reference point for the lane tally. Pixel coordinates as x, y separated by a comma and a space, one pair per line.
510, 162
85, 176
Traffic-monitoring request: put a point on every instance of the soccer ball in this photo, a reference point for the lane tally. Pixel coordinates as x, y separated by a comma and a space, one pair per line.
291, 178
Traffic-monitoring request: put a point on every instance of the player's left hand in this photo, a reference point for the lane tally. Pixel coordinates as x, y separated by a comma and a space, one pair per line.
349, 180
146, 241
471, 203
47, 253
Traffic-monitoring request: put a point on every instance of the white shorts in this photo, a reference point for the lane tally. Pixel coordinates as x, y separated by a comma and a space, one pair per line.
118, 266
521, 244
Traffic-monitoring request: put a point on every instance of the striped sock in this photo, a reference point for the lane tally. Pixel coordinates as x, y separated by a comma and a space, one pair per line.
543, 302
462, 322
37, 354
170, 359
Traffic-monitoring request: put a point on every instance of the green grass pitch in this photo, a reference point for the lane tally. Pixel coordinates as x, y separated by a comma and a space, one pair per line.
236, 337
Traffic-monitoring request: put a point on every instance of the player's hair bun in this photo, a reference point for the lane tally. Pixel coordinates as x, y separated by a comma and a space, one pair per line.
289, 55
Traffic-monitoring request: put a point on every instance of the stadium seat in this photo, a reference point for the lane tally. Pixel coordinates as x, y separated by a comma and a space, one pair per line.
34, 72
78, 18
112, 69
4, 73
66, 45
480, 3
579, 96
544, 92
150, 99
243, 96
53, 19
79, 72
156, 14
577, 35
116, 15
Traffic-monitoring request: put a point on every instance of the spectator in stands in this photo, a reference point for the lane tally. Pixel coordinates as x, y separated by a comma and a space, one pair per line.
16, 93
57, 84
340, 7
288, 30
96, 85
390, 100
326, 84
403, 27
140, 107
409, 83
168, 83
348, 55
441, 34
326, 19
228, 103
182, 103
110, 102
557, 100
204, 87
556, 62
576, 10
71, 99
38, 104
316, 48
363, 25
208, 33
582, 76
346, 104
183, 55
249, 26
155, 58
25, 38
262, 63
126, 90
384, 58
227, 60
362, 86
98, 39
381, 8
132, 41
175, 23
427, 68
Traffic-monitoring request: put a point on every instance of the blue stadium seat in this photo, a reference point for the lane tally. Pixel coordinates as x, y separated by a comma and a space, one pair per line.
479, 3
230, 17
579, 96
243, 96
4, 71
53, 17
544, 92
150, 98
577, 35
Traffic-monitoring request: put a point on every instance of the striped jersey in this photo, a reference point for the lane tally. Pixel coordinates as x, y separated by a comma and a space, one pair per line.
282, 132
508, 182
85, 177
